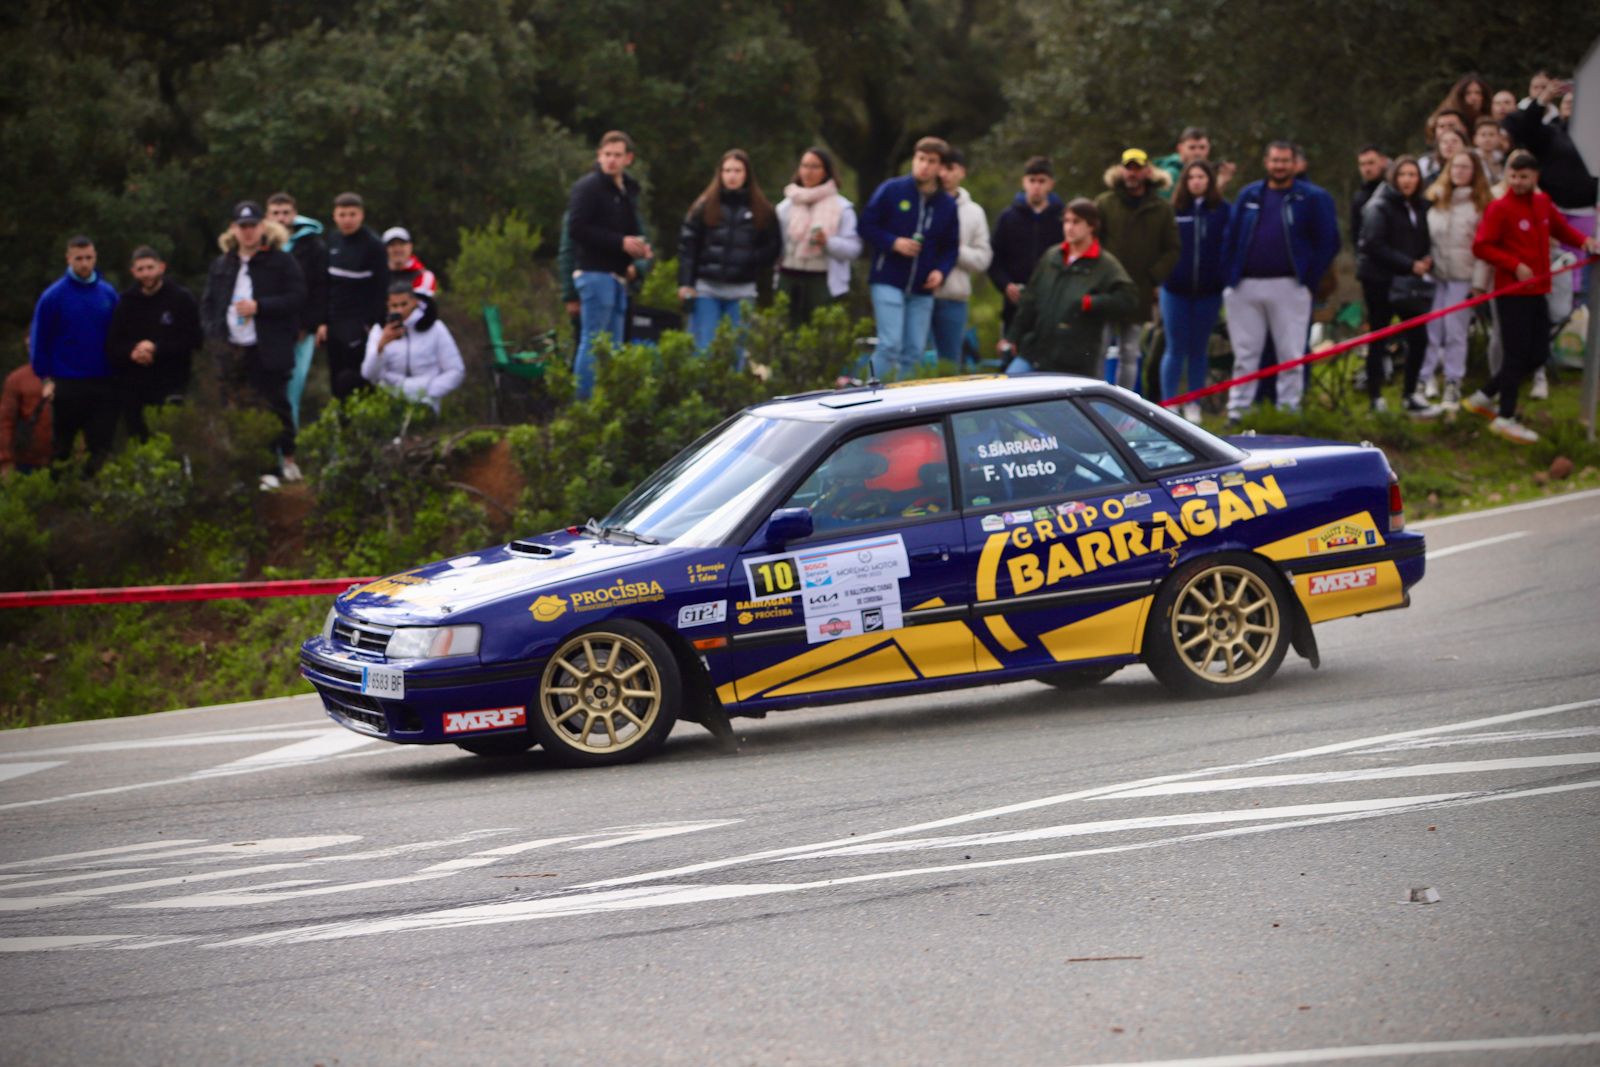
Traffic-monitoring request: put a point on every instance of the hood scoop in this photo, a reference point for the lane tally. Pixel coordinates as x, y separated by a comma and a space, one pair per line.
535, 550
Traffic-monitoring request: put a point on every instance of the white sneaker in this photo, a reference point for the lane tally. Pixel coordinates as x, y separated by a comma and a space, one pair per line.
1513, 431
291, 471
1418, 408
1480, 404
1430, 389
1191, 411
1541, 386
1452, 395
269, 482
1379, 405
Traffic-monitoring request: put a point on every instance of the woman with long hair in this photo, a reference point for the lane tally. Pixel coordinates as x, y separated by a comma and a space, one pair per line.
1191, 296
1394, 257
729, 236
819, 237
1458, 198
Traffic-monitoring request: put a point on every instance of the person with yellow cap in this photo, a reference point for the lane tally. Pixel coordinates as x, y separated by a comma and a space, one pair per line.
1140, 230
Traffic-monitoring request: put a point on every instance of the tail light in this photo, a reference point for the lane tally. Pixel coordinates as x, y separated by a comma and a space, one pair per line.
1397, 505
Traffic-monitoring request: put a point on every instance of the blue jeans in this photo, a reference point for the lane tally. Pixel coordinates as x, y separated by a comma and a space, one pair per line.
1189, 321
705, 313
949, 328
1018, 365
297, 378
902, 321
605, 308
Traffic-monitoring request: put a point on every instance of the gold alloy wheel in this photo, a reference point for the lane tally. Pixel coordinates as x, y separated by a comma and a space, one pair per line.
601, 693
1226, 624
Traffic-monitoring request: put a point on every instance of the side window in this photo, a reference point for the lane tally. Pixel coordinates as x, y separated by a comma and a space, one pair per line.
1155, 449
1032, 451
895, 474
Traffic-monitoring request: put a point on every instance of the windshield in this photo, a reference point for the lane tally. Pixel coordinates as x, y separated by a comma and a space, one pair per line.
707, 489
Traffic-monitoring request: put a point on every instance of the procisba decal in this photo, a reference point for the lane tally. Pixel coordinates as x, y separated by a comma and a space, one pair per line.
1116, 543
617, 594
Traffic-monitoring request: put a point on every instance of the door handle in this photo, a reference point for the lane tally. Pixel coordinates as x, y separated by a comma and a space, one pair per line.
932, 554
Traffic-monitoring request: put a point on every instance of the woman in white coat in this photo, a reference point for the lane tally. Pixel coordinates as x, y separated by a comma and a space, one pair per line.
1458, 197
819, 238
412, 353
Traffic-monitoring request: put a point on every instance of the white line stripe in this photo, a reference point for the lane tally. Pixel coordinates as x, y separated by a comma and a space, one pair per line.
1441, 553
1489, 513
1364, 774
327, 743
17, 770
231, 737
1085, 794
1494, 737
1369, 1052
119, 850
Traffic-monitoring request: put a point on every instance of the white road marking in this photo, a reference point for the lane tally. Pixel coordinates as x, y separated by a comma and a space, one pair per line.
328, 743
225, 737
82, 876
1489, 737
17, 770
1441, 553
640, 897
1509, 509
1097, 791
97, 853
1362, 774
1290, 1057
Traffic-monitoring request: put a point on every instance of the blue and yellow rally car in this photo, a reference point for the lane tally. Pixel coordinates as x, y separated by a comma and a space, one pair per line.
874, 542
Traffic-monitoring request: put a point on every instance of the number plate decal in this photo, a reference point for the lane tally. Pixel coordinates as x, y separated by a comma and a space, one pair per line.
385, 682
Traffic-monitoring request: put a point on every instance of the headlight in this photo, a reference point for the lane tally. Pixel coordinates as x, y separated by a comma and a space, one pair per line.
433, 642
327, 624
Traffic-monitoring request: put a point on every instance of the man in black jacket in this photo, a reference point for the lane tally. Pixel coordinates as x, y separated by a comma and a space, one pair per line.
1023, 232
253, 300
1372, 164
154, 332
311, 252
358, 288
603, 220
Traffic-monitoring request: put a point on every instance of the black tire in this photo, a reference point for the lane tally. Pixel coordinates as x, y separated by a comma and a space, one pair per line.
584, 713
499, 745
1078, 677
1220, 626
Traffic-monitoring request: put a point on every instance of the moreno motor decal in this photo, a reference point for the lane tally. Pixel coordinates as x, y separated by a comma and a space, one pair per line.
836, 584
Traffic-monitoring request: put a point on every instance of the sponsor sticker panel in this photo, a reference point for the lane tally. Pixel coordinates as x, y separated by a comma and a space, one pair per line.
1342, 581
467, 722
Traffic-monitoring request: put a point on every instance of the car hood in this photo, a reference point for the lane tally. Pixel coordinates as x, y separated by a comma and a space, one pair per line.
446, 590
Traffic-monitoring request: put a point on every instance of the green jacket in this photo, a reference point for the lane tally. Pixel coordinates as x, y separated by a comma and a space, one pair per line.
1173, 165
1052, 329
1142, 234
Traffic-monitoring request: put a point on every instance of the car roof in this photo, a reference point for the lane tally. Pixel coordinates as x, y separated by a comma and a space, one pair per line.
933, 395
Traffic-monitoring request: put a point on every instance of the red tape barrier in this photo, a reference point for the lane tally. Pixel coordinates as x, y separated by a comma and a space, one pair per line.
1376, 335
150, 594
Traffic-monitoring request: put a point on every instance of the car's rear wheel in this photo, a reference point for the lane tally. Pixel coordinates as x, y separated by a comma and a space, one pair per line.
1078, 677
1218, 627
608, 695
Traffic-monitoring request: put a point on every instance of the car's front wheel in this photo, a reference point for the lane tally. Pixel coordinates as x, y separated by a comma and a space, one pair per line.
608, 695
1219, 626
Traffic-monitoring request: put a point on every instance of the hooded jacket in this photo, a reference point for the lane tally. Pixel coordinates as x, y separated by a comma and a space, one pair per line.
280, 294
1311, 225
1517, 230
70, 323
1021, 235
311, 252
1065, 306
1200, 270
424, 365
1140, 232
898, 209
1394, 235
736, 251
974, 254
1451, 228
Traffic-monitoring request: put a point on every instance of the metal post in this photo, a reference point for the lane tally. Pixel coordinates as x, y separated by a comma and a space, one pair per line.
1591, 354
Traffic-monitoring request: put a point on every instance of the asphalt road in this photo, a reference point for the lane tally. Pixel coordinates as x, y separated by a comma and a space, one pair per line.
1008, 875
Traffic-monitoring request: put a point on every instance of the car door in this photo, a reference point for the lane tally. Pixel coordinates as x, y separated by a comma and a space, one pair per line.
1067, 534
875, 595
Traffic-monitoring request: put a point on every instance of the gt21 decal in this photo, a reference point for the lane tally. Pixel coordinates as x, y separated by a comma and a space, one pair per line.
702, 614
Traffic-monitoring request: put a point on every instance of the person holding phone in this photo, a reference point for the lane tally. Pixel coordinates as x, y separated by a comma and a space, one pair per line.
413, 353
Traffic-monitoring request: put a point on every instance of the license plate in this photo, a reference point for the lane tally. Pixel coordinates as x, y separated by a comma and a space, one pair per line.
383, 682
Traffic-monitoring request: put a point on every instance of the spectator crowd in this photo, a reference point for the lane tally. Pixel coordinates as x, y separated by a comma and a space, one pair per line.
1494, 191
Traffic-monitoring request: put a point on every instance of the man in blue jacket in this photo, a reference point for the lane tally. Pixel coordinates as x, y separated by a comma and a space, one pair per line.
68, 340
1280, 242
911, 225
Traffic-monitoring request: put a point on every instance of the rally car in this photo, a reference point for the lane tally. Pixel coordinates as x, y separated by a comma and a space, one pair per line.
874, 542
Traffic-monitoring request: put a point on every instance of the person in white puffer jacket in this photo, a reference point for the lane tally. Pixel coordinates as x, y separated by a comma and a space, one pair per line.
1458, 196
973, 258
413, 353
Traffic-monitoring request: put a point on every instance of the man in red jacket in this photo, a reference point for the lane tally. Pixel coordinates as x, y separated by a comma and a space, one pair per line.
1514, 236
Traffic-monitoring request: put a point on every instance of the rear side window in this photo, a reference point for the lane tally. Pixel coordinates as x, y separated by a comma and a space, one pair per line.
1032, 451
1156, 449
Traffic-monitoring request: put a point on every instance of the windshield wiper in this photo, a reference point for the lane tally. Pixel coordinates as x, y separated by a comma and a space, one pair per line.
594, 529
638, 538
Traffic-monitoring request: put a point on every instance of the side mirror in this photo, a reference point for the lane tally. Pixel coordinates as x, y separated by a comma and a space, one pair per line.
789, 524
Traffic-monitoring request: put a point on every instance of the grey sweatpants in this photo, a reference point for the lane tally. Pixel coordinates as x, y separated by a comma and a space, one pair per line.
1257, 307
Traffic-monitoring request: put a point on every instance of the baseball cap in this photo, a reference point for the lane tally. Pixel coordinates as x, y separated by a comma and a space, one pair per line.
1136, 156
396, 233
247, 211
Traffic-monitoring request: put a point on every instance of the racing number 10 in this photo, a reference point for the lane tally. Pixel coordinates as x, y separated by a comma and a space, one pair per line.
774, 577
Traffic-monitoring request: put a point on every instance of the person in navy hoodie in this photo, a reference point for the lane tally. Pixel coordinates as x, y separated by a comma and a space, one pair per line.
912, 227
1023, 233
1191, 297
68, 339
1282, 237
